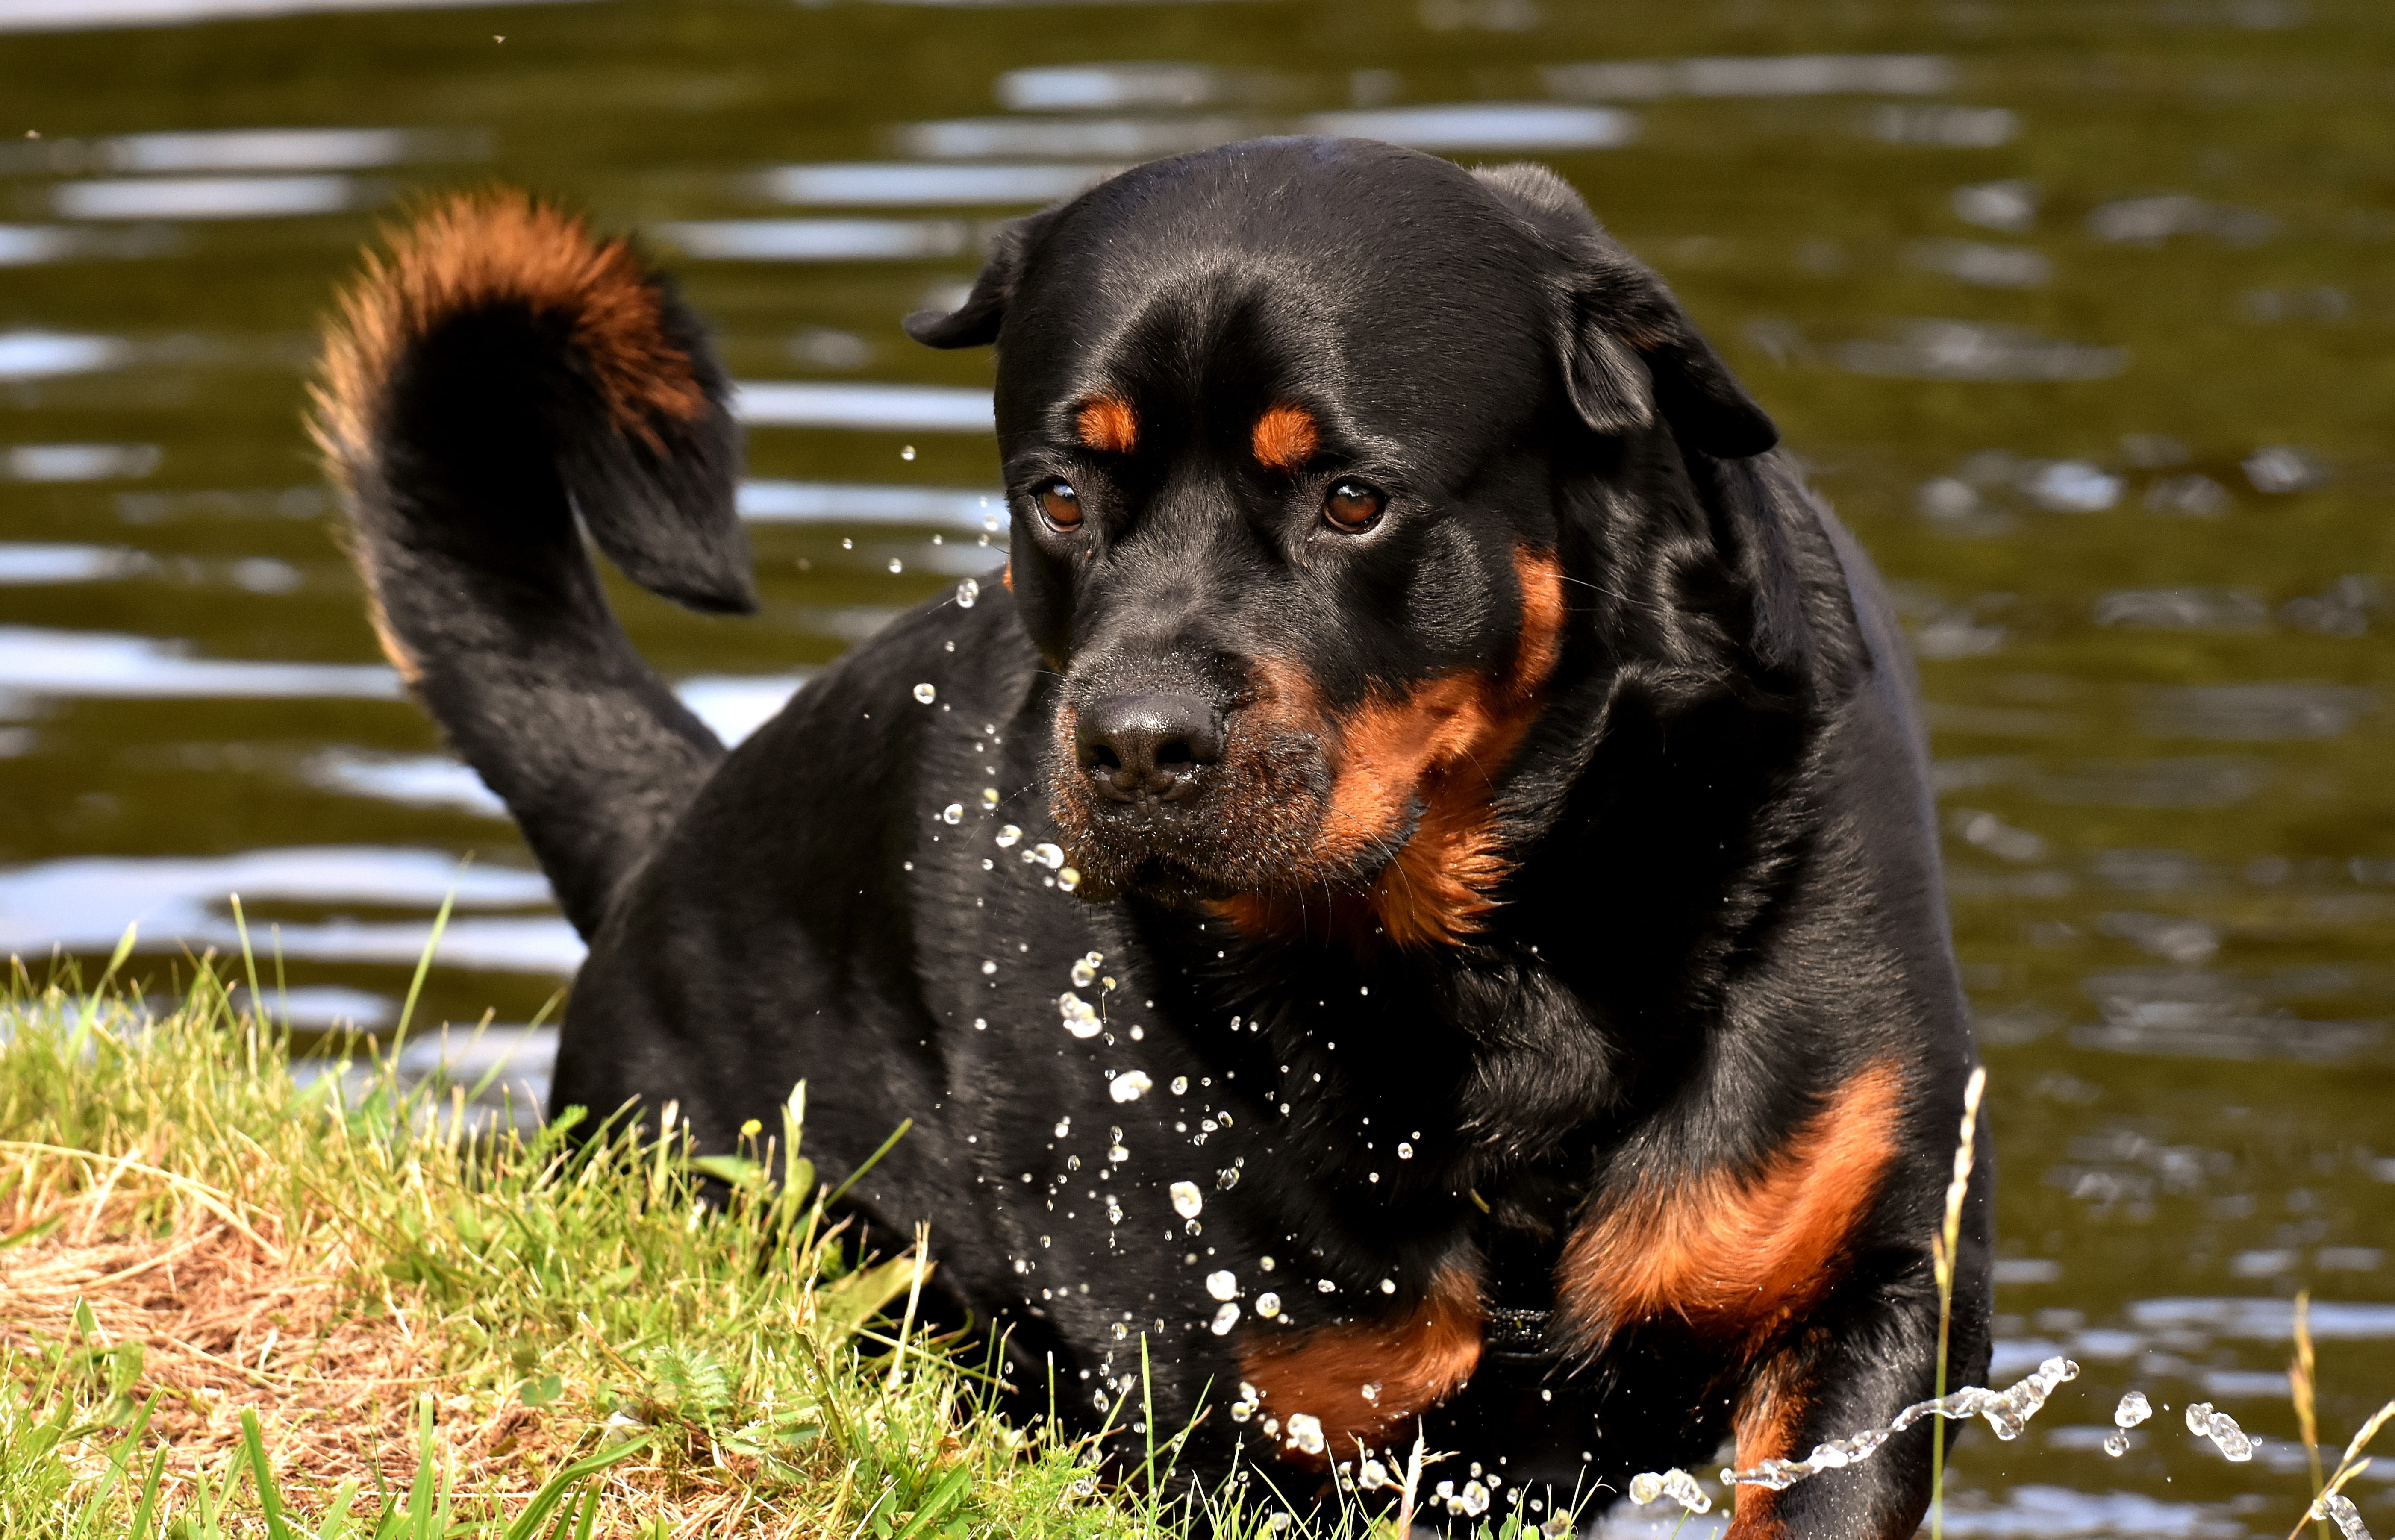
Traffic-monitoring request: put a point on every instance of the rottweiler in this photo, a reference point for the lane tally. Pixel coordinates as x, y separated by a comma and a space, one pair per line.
1408, 908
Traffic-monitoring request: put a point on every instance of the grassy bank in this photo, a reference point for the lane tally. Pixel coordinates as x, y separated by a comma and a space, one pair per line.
234, 1304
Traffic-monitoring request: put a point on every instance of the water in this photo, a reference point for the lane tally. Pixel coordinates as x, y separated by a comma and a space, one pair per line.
2079, 312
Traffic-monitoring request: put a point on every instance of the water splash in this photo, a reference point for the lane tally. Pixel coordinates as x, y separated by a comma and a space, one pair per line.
2007, 1412
2222, 1429
1304, 1433
2338, 1508
1675, 1484
1081, 1017
1130, 1085
2133, 1409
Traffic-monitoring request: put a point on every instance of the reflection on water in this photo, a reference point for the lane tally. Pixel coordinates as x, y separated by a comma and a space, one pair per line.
2079, 314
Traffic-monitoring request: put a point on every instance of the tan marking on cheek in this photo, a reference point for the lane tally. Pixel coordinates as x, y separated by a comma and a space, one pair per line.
1416, 1361
1445, 745
1007, 577
1737, 1254
1106, 424
1285, 437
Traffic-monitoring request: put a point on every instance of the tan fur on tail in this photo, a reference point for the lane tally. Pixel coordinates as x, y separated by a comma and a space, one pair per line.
494, 248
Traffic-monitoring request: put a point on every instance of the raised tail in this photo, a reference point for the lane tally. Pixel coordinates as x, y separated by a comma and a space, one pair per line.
496, 375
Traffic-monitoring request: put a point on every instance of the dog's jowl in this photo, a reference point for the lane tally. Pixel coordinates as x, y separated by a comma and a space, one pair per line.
1414, 911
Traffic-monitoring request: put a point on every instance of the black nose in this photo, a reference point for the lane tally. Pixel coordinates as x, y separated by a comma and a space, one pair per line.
1147, 746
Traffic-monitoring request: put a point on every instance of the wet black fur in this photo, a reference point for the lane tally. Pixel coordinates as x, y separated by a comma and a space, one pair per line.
1725, 893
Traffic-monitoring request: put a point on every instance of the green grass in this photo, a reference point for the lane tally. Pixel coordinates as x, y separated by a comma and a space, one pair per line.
233, 1305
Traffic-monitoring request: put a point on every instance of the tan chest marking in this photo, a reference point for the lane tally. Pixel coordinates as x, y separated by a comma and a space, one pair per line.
1410, 1364
1736, 1253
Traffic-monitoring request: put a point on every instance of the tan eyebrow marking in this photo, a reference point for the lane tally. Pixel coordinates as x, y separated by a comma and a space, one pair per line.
1106, 423
1285, 437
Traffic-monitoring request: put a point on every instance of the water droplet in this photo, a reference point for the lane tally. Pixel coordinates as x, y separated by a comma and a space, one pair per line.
981, 1023
906, 451
988, 966
1226, 1179
1069, 879
1222, 1284
896, 565
1188, 1201
2222, 1429
955, 811
1675, 1484
1130, 1085
1225, 1318
2116, 1443
1064, 1127
1047, 855
1007, 835
1268, 1304
1083, 974
1080, 1019
1388, 1285
1325, 1287
1405, 1152
2133, 1409
968, 592
1306, 1435
1180, 1084
926, 693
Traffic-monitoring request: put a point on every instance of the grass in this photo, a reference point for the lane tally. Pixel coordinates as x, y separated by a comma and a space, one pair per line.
237, 1304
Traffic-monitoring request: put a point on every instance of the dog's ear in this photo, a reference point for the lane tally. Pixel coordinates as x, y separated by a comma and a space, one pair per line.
974, 323
1628, 351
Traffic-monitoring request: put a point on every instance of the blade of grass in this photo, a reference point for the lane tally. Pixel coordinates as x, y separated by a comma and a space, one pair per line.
262, 1474
423, 967
559, 1488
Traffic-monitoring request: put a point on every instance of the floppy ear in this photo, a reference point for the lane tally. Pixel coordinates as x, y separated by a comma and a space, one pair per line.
1622, 317
1628, 351
974, 323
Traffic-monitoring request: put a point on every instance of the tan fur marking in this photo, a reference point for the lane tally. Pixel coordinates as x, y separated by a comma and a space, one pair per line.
1444, 743
1417, 1361
1769, 1416
1736, 1255
493, 248
1285, 437
1107, 423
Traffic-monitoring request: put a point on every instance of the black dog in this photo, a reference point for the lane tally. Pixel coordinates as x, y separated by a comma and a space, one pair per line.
1421, 905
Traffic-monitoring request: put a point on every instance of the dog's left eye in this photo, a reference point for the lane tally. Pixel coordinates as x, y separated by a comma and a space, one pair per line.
1354, 508
1061, 504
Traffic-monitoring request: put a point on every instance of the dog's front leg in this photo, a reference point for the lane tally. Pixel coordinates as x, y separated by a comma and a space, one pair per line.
1867, 1352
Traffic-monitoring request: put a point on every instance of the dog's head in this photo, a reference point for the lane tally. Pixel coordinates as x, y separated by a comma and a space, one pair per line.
1285, 429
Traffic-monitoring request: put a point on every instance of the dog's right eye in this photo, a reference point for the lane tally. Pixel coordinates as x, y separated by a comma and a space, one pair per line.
1061, 505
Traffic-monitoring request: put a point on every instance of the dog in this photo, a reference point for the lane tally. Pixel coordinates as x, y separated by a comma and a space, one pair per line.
1409, 909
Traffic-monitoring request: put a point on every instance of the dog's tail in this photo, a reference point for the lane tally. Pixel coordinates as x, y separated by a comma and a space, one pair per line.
498, 376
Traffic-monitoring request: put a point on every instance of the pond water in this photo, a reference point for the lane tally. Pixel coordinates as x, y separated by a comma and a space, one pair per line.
2080, 312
